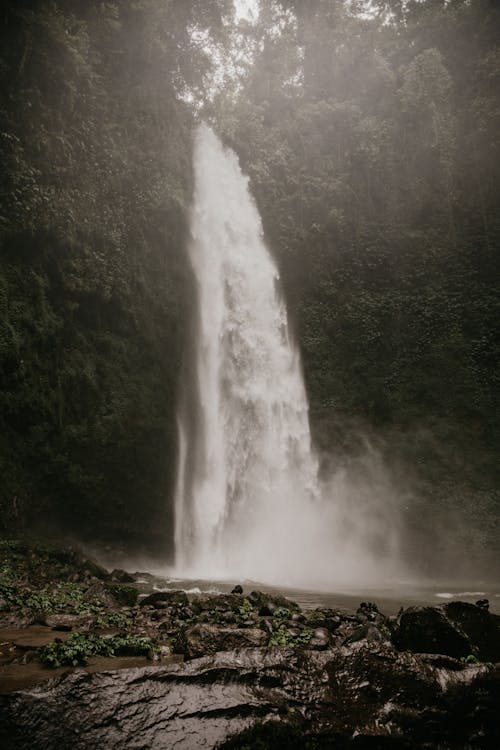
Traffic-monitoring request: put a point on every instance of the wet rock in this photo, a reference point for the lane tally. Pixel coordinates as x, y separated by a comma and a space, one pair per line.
320, 640
326, 618
88, 565
123, 593
163, 599
260, 599
121, 576
237, 589
217, 603
267, 625
427, 630
479, 626
368, 695
456, 629
203, 638
66, 622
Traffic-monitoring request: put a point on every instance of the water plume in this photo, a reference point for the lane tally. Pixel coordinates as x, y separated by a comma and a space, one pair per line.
249, 502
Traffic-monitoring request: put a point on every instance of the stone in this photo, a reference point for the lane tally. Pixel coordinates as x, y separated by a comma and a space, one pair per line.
481, 627
67, 622
163, 599
428, 630
204, 638
121, 576
237, 589
272, 601
218, 603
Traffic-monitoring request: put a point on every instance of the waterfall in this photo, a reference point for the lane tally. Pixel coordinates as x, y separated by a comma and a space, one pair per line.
251, 469
248, 504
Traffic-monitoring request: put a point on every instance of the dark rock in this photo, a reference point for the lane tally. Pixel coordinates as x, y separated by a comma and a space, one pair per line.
259, 599
267, 625
267, 610
91, 567
320, 640
67, 622
483, 603
121, 576
326, 618
218, 603
163, 599
456, 629
123, 593
237, 589
100, 590
203, 638
480, 627
367, 696
428, 630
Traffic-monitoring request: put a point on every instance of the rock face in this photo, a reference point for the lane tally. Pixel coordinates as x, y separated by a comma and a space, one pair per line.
367, 695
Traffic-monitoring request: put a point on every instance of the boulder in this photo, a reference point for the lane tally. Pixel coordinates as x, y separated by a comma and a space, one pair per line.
480, 626
271, 602
121, 576
163, 599
427, 630
67, 622
203, 638
218, 603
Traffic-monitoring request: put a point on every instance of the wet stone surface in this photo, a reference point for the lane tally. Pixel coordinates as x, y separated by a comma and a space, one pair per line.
195, 671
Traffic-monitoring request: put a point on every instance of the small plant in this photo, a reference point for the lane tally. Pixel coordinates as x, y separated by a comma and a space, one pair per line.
80, 646
283, 637
246, 609
470, 659
282, 613
112, 620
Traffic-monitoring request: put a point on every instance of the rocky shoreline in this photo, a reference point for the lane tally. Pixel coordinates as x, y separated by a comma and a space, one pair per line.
86, 662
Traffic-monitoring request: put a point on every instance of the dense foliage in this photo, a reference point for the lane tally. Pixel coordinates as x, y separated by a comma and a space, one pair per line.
95, 154
372, 142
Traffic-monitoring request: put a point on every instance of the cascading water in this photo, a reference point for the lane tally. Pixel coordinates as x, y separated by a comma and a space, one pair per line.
248, 504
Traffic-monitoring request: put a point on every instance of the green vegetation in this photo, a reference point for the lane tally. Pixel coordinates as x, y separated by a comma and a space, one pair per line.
65, 598
80, 646
95, 151
282, 637
470, 659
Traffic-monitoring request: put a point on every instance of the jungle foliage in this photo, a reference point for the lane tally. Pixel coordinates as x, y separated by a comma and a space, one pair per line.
95, 137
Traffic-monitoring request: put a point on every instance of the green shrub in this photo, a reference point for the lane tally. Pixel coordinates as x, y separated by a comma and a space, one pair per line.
80, 646
282, 637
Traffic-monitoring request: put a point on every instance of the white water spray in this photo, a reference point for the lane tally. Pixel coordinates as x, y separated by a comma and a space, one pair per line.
248, 504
